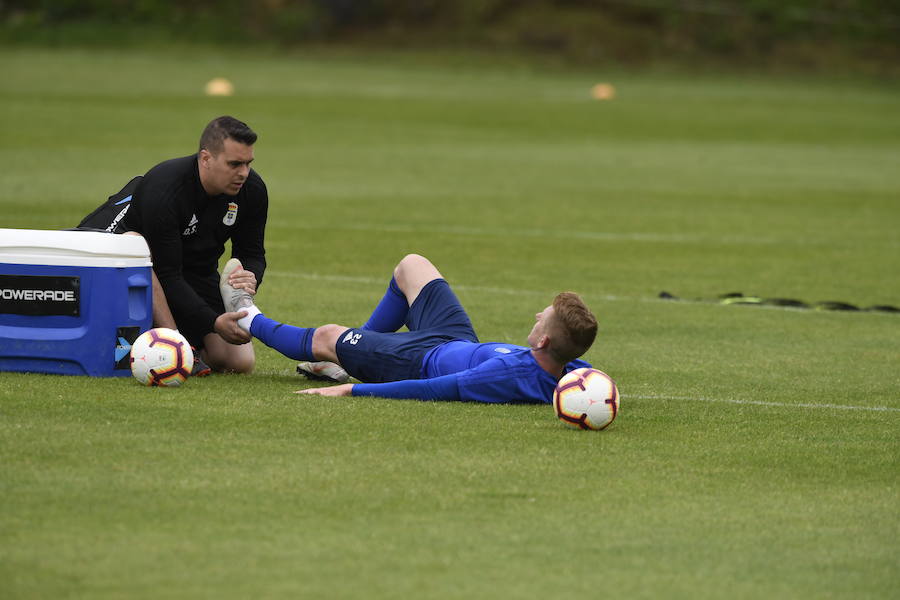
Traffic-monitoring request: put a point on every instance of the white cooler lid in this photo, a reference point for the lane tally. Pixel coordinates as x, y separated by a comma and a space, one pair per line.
72, 248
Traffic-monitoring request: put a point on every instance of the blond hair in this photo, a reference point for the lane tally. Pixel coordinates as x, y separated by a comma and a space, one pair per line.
572, 328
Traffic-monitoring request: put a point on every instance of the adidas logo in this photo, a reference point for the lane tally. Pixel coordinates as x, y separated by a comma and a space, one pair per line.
192, 226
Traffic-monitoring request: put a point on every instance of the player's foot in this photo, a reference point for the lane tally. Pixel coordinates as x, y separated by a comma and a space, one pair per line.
200, 368
235, 299
323, 371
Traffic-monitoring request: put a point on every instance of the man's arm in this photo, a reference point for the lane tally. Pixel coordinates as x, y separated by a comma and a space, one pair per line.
495, 381
498, 389
438, 388
163, 235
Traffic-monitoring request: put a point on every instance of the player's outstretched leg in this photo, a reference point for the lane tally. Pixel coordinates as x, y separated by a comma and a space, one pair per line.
293, 342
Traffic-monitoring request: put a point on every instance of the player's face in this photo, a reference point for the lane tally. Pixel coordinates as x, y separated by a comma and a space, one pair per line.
539, 331
225, 172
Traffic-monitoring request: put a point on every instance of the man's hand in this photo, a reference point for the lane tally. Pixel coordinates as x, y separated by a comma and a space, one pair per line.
345, 389
243, 279
226, 326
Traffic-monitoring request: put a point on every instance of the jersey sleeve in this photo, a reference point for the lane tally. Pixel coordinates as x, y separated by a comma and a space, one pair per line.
493, 382
436, 388
248, 241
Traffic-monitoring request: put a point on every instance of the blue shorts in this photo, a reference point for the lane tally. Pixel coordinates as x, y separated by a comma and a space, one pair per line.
435, 317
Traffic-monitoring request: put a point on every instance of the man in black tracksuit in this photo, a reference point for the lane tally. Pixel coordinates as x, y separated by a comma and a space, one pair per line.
186, 209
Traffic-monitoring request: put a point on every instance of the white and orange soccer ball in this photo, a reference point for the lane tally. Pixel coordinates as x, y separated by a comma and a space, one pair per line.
586, 399
161, 357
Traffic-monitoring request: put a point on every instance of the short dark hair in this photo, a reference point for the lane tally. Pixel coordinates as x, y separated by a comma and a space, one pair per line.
222, 128
573, 327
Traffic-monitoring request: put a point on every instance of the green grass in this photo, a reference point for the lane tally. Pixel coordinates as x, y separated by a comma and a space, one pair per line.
756, 453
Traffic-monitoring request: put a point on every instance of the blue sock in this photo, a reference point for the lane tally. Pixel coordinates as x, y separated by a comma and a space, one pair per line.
390, 314
293, 342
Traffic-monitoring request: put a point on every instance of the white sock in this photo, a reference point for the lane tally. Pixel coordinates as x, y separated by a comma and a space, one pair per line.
244, 322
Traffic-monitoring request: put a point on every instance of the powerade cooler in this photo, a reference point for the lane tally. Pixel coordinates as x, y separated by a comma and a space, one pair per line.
72, 302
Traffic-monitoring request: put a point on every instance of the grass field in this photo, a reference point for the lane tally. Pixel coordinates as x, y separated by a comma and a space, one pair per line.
756, 454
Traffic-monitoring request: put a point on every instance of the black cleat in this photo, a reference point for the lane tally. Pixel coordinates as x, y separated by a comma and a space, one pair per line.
200, 368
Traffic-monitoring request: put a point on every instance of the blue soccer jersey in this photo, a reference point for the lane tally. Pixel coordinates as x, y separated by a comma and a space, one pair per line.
476, 372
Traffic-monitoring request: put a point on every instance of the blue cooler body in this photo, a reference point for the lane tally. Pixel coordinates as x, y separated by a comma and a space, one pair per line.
72, 302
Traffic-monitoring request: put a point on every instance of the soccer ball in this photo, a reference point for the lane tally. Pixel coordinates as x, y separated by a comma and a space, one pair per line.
161, 356
586, 399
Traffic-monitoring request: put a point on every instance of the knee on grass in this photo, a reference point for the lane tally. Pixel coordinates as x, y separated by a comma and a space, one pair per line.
228, 358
